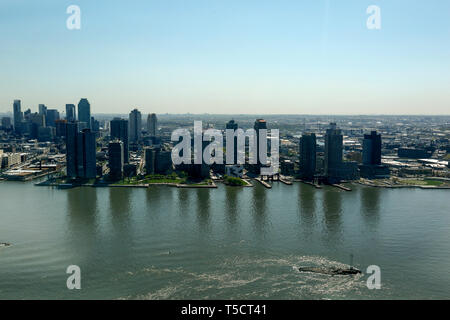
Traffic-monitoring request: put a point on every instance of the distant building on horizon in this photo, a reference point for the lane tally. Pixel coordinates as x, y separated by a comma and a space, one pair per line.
152, 124
135, 125
61, 128
413, 153
18, 116
42, 109
51, 116
71, 115
6, 123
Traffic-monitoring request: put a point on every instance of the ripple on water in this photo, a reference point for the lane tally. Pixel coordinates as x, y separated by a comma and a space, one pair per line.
247, 278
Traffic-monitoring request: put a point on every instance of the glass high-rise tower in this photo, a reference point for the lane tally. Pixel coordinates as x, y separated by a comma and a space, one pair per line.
84, 114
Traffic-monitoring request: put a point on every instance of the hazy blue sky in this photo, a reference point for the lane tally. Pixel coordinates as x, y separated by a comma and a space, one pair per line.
233, 56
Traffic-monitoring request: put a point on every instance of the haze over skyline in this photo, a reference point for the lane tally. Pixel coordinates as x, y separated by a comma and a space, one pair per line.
251, 57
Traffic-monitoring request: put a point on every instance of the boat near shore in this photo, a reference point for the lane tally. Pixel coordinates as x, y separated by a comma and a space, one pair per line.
4, 244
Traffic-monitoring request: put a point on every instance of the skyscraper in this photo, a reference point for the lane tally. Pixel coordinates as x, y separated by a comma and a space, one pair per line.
152, 124
308, 149
333, 153
259, 124
51, 116
157, 160
70, 113
116, 161
372, 149
95, 125
150, 160
18, 116
119, 130
37, 121
372, 167
71, 149
231, 125
43, 110
84, 113
135, 124
61, 128
86, 154
80, 152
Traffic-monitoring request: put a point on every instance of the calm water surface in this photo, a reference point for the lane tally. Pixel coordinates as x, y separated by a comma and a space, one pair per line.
225, 243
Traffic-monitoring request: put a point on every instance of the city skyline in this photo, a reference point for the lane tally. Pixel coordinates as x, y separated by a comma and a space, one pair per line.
207, 151
222, 58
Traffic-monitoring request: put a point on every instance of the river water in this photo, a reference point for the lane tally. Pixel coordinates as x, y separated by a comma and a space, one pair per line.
224, 243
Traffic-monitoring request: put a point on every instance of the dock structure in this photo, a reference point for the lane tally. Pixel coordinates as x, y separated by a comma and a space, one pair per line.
265, 184
315, 185
285, 181
340, 186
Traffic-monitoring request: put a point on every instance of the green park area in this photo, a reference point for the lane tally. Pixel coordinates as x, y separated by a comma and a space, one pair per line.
423, 182
233, 181
174, 178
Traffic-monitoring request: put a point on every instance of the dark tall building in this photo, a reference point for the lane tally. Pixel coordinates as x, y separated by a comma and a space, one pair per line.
163, 161
70, 113
61, 128
86, 154
231, 125
119, 130
84, 113
6, 123
71, 149
45, 134
152, 124
51, 116
333, 152
308, 151
95, 125
259, 124
372, 167
80, 152
18, 116
115, 154
150, 160
37, 121
157, 161
42, 110
135, 132
372, 149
